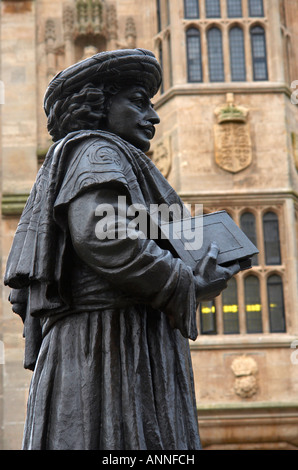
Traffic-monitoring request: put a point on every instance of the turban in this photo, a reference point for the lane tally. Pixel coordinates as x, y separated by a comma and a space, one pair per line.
125, 67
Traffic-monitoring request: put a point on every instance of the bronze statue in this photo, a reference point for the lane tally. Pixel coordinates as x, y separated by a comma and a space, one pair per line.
106, 320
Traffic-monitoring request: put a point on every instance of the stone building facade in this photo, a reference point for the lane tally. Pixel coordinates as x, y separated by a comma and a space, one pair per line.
228, 139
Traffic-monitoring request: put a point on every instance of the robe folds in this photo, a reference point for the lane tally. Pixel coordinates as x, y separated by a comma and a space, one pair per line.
107, 322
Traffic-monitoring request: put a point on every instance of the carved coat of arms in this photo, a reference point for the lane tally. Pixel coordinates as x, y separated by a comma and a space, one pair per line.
233, 150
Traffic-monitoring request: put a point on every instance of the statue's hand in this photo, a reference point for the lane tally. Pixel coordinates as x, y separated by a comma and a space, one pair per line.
211, 278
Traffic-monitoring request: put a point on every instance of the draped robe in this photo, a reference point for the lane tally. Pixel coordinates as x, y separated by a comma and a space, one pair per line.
107, 322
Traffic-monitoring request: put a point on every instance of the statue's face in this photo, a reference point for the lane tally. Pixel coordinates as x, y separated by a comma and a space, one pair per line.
132, 117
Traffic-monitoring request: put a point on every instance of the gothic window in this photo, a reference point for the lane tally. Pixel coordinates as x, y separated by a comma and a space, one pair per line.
276, 304
191, 9
234, 8
212, 8
271, 239
194, 59
158, 12
207, 318
256, 8
215, 55
253, 302
230, 308
259, 56
237, 55
248, 226
253, 306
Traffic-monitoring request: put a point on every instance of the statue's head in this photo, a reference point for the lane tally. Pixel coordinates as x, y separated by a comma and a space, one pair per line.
109, 91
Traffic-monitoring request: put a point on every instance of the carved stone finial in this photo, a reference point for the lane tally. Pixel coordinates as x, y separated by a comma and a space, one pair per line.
112, 21
50, 30
68, 18
89, 16
130, 32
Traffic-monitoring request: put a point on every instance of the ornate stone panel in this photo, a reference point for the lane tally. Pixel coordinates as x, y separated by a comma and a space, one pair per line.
233, 150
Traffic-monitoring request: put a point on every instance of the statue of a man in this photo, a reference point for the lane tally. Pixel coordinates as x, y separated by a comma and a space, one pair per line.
107, 320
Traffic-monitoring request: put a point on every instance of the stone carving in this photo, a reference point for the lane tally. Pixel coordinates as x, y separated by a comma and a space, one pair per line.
50, 30
50, 46
112, 23
162, 156
90, 16
233, 150
245, 369
68, 20
130, 33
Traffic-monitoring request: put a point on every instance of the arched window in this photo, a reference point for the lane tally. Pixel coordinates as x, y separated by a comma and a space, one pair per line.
207, 318
271, 238
259, 55
194, 59
215, 55
248, 226
253, 307
212, 8
230, 308
237, 55
276, 304
234, 8
256, 8
191, 9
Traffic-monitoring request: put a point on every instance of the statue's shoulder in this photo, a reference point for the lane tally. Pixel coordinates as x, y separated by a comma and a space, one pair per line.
96, 151
92, 161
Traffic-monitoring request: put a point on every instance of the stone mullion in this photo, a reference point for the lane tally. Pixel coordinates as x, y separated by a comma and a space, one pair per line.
247, 51
226, 51
204, 52
262, 277
241, 303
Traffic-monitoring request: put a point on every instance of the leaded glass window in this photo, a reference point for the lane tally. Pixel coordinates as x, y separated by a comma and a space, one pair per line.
248, 225
271, 239
207, 318
194, 59
215, 55
212, 8
256, 8
237, 55
276, 304
230, 308
234, 8
191, 9
253, 307
259, 55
